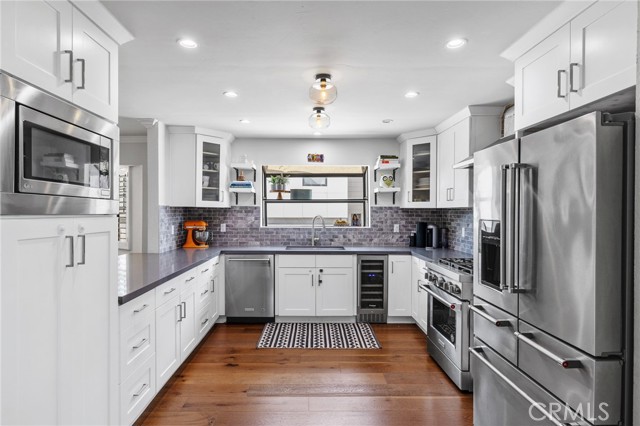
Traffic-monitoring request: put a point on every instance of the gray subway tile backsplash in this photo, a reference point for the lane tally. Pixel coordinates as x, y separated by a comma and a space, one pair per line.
243, 228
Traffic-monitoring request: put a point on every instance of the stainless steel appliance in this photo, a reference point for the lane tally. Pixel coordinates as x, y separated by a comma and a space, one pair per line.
54, 157
552, 259
249, 288
372, 288
449, 287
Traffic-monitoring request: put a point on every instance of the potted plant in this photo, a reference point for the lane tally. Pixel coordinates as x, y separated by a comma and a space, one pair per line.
278, 182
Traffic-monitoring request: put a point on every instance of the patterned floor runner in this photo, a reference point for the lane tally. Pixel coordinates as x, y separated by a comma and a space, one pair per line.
318, 336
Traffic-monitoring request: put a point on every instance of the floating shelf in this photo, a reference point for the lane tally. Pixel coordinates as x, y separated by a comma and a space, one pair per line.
242, 167
393, 191
243, 190
392, 167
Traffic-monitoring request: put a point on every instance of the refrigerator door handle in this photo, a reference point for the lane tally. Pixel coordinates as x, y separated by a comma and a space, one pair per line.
503, 228
519, 206
477, 352
562, 362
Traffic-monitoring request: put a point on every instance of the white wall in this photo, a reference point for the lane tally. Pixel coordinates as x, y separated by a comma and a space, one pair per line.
294, 151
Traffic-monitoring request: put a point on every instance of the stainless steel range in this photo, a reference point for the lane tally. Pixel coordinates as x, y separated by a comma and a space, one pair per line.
450, 289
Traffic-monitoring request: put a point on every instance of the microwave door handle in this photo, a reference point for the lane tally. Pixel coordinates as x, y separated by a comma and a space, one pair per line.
477, 352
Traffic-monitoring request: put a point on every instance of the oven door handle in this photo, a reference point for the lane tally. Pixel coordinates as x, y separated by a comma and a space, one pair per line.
453, 305
497, 322
476, 351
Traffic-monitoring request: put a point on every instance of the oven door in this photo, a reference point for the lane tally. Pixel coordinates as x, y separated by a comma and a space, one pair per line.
449, 326
58, 158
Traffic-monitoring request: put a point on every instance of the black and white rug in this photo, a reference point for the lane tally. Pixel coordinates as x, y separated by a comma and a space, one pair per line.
318, 336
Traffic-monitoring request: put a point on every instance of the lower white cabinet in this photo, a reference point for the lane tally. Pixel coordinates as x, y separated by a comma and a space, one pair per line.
419, 297
167, 340
423, 310
59, 314
399, 286
137, 392
315, 285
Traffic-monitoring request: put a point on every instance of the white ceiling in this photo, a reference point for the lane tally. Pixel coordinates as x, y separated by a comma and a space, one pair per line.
270, 51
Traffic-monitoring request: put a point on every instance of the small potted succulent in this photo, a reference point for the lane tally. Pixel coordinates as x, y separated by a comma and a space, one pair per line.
279, 182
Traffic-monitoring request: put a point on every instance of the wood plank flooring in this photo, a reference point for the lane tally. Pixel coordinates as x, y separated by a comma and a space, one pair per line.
228, 382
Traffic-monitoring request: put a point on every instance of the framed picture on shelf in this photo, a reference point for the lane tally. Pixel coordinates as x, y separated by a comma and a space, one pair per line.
314, 181
356, 219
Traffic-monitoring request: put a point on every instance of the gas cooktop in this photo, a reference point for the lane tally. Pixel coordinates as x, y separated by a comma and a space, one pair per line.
459, 264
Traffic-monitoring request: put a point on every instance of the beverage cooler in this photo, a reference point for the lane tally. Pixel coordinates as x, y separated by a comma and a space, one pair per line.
372, 289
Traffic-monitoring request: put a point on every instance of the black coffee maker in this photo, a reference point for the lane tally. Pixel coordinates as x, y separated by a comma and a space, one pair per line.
427, 236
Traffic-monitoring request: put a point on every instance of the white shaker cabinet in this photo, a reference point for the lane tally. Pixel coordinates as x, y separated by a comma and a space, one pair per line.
418, 159
334, 292
399, 286
590, 57
54, 46
416, 277
296, 291
59, 316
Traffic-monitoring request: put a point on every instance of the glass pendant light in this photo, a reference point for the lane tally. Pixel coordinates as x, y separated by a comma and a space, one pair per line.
323, 91
319, 119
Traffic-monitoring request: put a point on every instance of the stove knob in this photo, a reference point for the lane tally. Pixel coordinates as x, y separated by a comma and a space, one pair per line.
455, 289
440, 282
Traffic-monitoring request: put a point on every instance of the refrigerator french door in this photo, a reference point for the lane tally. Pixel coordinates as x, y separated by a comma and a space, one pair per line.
550, 251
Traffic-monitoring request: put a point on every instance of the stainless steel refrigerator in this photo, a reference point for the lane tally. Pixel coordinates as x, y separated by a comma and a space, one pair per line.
552, 251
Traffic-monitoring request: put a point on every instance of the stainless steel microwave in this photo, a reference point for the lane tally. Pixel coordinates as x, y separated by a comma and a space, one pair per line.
54, 157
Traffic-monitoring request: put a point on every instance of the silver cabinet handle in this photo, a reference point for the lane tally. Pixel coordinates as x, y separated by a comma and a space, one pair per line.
70, 52
84, 249
249, 260
190, 279
137, 311
319, 277
170, 291
213, 285
179, 305
202, 272
204, 322
204, 292
476, 351
562, 362
453, 194
83, 62
392, 262
139, 345
311, 273
184, 313
497, 322
72, 254
571, 67
142, 388
559, 94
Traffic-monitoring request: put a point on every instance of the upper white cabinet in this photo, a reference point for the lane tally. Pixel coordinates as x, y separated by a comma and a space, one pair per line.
460, 136
198, 167
592, 56
418, 158
399, 286
54, 46
59, 358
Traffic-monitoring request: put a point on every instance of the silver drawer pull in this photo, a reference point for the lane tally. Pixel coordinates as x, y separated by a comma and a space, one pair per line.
170, 291
142, 389
139, 345
249, 260
562, 362
204, 322
477, 352
202, 272
204, 292
190, 279
137, 311
497, 322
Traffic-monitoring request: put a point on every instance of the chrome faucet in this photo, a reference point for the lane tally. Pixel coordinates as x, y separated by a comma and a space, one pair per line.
314, 239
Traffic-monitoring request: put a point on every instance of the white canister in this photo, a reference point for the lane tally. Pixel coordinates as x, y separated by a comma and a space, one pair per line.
386, 181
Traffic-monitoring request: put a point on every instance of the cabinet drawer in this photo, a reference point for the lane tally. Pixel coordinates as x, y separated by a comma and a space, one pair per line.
495, 327
203, 293
138, 311
136, 345
203, 322
137, 392
206, 269
167, 291
334, 261
296, 261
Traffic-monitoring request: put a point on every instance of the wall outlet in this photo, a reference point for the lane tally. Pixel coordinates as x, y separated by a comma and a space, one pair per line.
396, 227
173, 229
464, 231
223, 227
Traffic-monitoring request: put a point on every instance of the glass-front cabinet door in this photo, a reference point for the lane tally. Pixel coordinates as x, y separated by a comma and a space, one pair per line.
211, 168
419, 164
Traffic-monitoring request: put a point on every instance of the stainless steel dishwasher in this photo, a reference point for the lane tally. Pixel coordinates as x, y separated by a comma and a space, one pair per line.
249, 288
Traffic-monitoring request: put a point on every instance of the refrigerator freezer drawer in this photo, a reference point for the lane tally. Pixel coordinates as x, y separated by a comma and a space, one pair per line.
578, 379
495, 327
503, 396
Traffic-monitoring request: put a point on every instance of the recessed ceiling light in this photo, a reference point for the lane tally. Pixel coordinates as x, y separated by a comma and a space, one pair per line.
245, 121
317, 134
387, 120
456, 43
187, 43
230, 94
411, 94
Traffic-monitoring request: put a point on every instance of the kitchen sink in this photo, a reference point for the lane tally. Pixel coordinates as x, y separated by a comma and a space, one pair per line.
315, 248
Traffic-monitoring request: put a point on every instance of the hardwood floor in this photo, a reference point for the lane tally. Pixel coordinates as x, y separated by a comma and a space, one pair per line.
228, 382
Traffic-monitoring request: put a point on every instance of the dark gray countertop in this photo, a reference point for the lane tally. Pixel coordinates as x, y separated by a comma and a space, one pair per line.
139, 273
